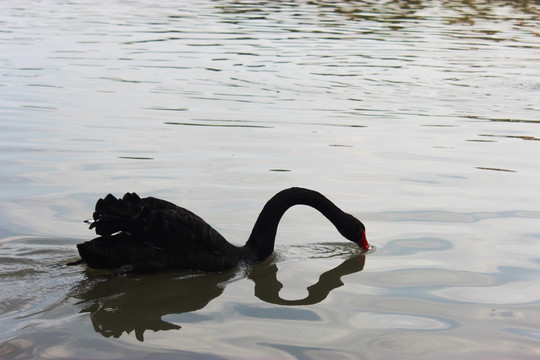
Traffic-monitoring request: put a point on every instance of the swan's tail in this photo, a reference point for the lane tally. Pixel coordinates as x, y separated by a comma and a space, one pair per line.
113, 215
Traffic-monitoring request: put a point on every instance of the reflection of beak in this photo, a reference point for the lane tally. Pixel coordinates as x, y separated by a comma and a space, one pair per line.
363, 243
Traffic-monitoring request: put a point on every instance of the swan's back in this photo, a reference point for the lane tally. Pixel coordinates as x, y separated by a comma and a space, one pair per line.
151, 234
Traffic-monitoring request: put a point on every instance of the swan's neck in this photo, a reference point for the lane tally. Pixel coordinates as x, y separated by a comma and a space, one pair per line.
262, 238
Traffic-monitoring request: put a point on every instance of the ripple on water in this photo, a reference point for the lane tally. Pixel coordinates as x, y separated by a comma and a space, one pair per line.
391, 104
372, 320
504, 294
32, 279
320, 250
403, 247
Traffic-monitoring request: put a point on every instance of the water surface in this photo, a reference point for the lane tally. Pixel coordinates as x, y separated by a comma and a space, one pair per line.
420, 118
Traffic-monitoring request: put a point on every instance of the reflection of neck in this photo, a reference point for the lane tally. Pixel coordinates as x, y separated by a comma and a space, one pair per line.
267, 286
262, 238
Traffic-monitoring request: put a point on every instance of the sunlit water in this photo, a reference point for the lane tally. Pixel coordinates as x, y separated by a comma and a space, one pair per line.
420, 118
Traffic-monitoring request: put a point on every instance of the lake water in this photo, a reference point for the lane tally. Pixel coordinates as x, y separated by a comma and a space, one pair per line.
420, 118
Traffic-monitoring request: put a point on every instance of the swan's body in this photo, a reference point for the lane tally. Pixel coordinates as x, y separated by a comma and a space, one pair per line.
150, 234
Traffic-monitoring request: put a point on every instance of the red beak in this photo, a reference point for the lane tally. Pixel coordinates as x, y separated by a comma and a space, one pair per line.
363, 242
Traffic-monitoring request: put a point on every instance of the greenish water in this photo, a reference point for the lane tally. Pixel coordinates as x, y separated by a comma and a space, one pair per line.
420, 118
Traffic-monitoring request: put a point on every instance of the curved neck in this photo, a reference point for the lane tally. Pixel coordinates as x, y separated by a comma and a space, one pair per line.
262, 238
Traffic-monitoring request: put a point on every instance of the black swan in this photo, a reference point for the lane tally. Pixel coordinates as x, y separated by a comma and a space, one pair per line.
149, 234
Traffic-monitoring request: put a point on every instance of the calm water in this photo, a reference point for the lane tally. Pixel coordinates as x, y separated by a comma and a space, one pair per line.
420, 118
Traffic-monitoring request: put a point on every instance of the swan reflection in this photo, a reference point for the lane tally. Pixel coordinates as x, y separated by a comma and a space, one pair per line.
267, 286
138, 303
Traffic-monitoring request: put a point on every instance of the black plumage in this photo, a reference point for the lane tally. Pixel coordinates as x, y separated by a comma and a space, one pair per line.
150, 234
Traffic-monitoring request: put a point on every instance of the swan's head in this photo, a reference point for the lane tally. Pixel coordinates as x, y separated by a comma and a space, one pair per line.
363, 243
356, 232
